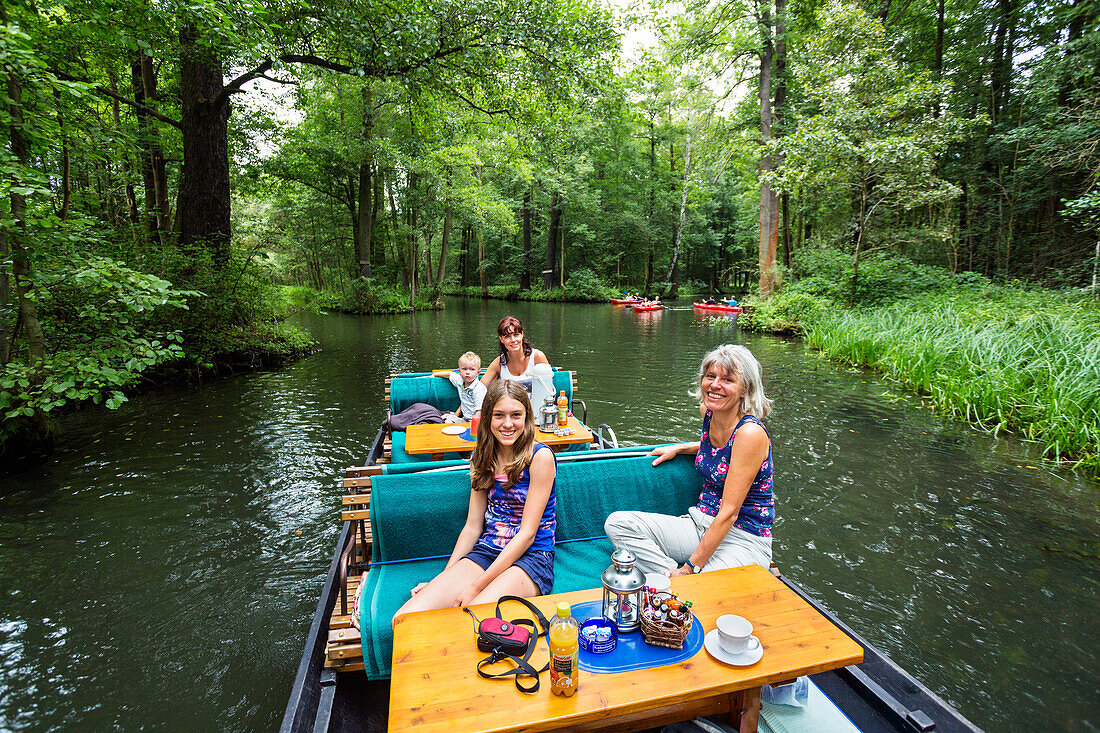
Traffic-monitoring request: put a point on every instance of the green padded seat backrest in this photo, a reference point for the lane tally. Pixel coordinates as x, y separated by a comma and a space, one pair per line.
417, 514
588, 491
410, 388
406, 390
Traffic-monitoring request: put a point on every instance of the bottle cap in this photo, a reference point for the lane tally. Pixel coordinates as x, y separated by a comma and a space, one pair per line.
563, 609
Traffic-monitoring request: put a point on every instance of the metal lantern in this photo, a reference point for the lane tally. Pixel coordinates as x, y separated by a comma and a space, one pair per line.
548, 415
622, 591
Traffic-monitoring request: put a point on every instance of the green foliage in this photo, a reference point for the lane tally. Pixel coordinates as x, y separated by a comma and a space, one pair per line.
300, 297
868, 128
692, 286
585, 286
105, 322
882, 277
510, 292
367, 296
788, 311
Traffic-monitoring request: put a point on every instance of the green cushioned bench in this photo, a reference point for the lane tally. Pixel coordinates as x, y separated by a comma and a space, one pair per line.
404, 390
404, 554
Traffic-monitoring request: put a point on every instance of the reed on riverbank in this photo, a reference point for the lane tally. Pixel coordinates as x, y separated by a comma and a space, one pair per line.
1005, 358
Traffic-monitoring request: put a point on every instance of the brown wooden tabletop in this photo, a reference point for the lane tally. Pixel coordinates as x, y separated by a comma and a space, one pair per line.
421, 439
434, 685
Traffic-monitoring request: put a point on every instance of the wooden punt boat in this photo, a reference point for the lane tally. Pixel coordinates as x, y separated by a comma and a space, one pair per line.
718, 308
875, 695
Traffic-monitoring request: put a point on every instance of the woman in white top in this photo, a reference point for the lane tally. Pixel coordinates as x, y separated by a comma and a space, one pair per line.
517, 356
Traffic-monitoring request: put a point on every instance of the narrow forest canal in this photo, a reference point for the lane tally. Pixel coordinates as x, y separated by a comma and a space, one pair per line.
161, 572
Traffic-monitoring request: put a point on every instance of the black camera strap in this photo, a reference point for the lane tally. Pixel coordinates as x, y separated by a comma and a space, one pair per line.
523, 668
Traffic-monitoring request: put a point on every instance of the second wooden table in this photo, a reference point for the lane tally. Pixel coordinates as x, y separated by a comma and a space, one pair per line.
423, 439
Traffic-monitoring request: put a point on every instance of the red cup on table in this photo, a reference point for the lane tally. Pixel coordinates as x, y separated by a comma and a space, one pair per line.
473, 424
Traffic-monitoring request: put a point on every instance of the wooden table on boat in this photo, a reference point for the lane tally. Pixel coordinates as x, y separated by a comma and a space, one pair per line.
434, 685
423, 439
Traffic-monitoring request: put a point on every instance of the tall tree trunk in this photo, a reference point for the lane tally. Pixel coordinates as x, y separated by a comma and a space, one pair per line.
428, 261
482, 275
366, 208
364, 221
399, 250
769, 202
1001, 59
412, 238
467, 239
552, 241
779, 105
131, 198
444, 245
16, 239
376, 253
204, 188
778, 109
525, 276
561, 249
938, 62
156, 152
1076, 28
864, 198
680, 226
785, 200
143, 143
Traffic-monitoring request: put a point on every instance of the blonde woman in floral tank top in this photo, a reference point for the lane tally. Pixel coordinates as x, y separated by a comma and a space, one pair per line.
731, 523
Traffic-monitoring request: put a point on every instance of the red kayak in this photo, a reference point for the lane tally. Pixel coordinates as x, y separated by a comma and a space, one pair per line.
650, 307
623, 301
718, 307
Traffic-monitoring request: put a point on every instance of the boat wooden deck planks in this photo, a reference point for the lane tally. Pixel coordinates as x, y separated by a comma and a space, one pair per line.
343, 650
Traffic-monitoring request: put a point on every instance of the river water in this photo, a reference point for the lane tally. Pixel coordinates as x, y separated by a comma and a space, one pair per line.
162, 570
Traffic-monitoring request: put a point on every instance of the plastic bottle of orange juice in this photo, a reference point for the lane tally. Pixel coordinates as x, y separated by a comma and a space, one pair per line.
563, 410
564, 641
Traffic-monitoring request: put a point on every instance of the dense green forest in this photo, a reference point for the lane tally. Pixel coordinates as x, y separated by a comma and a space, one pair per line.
177, 176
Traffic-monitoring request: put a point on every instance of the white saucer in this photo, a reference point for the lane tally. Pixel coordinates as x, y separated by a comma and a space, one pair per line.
454, 429
745, 659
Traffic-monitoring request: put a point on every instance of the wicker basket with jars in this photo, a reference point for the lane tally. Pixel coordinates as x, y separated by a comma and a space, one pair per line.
666, 620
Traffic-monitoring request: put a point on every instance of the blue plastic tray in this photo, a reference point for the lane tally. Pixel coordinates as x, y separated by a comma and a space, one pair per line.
632, 652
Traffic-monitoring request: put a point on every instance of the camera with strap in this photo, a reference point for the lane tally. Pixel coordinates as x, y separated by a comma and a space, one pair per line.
514, 640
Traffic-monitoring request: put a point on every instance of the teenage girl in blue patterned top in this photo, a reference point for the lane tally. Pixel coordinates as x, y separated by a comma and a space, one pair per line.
506, 546
731, 524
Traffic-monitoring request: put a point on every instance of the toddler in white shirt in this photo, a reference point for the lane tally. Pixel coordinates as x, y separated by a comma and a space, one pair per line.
471, 392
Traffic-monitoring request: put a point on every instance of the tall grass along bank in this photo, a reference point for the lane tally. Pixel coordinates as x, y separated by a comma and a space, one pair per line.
1007, 359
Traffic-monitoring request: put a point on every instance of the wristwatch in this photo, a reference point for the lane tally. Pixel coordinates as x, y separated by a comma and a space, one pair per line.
694, 568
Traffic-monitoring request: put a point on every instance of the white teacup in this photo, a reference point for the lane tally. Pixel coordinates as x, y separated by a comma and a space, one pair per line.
658, 581
735, 634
